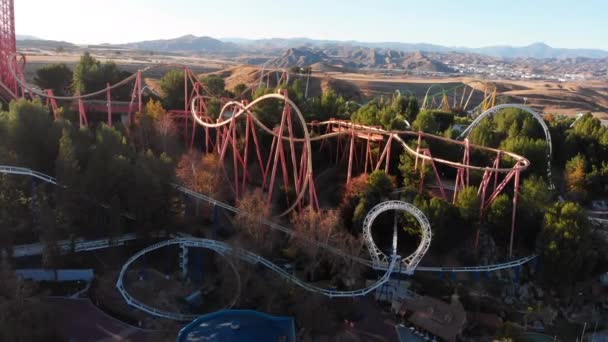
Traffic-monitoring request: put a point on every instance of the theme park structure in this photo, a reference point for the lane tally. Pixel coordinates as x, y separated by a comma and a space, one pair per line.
379, 261
289, 157
459, 98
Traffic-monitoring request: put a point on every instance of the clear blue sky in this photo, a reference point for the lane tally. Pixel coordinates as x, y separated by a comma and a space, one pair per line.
559, 23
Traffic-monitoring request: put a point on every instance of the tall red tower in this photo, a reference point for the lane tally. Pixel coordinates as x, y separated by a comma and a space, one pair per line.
8, 45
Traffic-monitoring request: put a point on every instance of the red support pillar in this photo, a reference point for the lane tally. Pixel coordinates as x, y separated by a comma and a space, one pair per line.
82, 114
135, 94
186, 109
257, 146
312, 195
109, 103
515, 193
496, 165
139, 87
269, 161
50, 101
367, 155
292, 149
465, 160
277, 155
246, 152
8, 46
350, 156
441, 189
418, 150
235, 152
388, 153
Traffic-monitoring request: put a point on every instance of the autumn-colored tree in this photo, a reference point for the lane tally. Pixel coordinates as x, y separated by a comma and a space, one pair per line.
576, 177
361, 194
315, 227
249, 220
201, 173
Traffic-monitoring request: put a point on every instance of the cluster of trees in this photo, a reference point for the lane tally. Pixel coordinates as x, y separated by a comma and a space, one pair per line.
106, 180
514, 130
23, 316
584, 149
388, 113
88, 75
173, 87
132, 175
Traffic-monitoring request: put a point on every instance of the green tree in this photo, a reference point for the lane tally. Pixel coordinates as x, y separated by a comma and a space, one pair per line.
411, 177
239, 89
499, 218
412, 109
19, 308
361, 194
115, 228
331, 106
534, 194
90, 75
15, 213
85, 67
68, 194
399, 104
49, 236
468, 203
32, 135
214, 107
172, 85
150, 196
444, 221
215, 84
54, 76
425, 122
564, 244
367, 115
534, 198
109, 169
483, 134
535, 150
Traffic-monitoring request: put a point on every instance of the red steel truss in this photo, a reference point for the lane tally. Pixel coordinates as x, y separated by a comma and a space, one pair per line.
7, 46
287, 160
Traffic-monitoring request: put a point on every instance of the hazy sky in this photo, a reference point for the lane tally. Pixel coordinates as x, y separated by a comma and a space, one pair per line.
559, 23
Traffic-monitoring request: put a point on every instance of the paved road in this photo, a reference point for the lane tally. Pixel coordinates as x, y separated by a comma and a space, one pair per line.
80, 320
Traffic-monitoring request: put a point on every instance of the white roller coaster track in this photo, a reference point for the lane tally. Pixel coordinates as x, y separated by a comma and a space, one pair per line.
534, 114
226, 250
97, 243
378, 257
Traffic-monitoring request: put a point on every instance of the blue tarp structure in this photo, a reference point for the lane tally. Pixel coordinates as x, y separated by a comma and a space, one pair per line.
40, 274
239, 325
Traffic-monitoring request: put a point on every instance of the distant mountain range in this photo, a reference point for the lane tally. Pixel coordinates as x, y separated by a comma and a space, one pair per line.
536, 50
25, 37
359, 57
188, 43
277, 46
